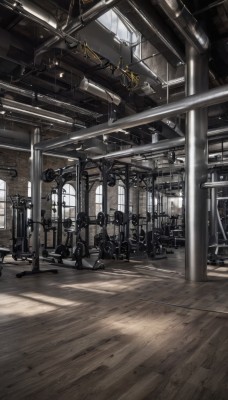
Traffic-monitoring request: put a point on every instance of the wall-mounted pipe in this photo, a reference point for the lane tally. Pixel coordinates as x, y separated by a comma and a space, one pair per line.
213, 96
12, 171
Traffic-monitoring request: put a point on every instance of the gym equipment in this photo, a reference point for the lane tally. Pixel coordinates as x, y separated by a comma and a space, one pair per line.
48, 175
118, 218
82, 220
20, 234
102, 219
135, 219
111, 179
3, 252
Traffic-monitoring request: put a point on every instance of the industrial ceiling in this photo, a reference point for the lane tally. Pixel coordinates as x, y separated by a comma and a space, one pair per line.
68, 65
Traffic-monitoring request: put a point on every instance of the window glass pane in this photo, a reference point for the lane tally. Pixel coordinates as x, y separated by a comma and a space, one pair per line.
2, 204
2, 195
121, 198
98, 199
2, 222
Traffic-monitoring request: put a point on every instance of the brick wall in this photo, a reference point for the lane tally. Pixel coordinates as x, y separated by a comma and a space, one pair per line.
19, 185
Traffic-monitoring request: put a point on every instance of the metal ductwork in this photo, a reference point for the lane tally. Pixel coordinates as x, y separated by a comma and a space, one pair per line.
213, 96
153, 29
36, 112
93, 88
36, 11
80, 22
185, 23
48, 100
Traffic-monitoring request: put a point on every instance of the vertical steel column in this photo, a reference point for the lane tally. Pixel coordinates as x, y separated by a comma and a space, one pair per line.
196, 170
127, 201
36, 197
214, 206
60, 211
104, 188
78, 188
87, 207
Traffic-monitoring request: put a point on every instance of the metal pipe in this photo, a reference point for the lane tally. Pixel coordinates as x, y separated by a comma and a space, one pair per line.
13, 171
204, 99
32, 111
209, 7
221, 226
27, 150
153, 26
196, 150
46, 99
185, 23
37, 11
99, 91
36, 197
80, 22
211, 185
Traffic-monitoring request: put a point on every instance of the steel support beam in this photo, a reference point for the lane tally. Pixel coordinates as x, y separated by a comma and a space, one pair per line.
214, 206
36, 198
196, 170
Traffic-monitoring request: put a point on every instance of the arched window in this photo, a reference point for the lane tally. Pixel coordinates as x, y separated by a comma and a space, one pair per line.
2, 204
121, 198
29, 211
98, 199
149, 202
68, 202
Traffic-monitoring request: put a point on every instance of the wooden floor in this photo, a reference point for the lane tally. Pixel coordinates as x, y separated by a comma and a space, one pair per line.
135, 331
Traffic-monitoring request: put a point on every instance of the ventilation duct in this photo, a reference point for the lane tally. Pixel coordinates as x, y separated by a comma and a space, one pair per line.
36, 112
88, 16
99, 91
185, 23
36, 11
48, 100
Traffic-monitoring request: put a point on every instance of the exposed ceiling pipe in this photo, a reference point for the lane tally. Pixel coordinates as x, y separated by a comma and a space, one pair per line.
93, 88
174, 82
185, 23
42, 19
173, 126
159, 146
28, 150
155, 28
213, 96
48, 100
211, 185
84, 19
37, 11
36, 112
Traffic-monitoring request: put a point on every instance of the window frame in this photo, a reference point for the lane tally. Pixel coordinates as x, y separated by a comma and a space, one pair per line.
98, 199
121, 198
3, 210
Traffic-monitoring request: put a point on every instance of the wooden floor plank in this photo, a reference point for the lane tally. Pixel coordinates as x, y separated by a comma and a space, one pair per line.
135, 331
